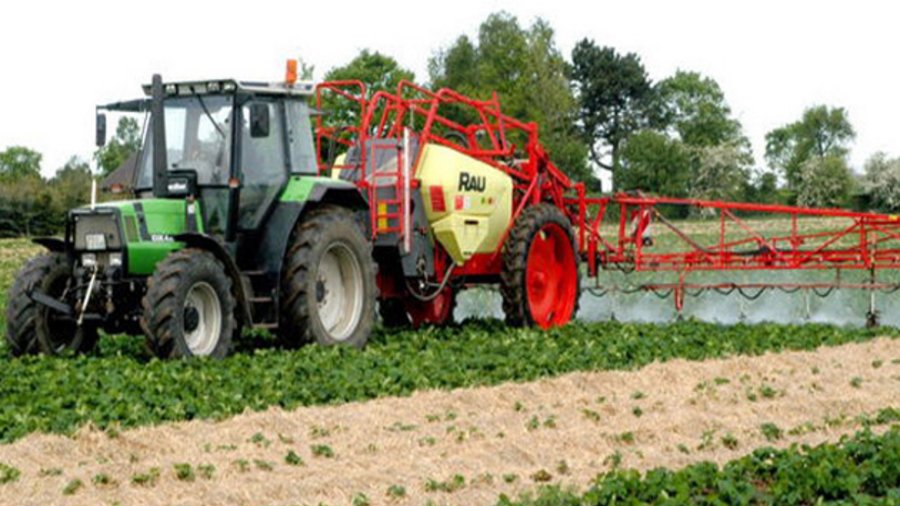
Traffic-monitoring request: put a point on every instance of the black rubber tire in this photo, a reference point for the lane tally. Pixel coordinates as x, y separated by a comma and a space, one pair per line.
311, 238
515, 260
164, 303
29, 329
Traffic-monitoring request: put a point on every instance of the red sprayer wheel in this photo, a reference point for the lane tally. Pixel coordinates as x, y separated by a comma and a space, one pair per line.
551, 277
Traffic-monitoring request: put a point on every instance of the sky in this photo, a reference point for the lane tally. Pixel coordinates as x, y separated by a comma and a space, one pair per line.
772, 59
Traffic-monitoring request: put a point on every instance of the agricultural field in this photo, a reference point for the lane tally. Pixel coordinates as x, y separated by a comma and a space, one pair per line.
477, 413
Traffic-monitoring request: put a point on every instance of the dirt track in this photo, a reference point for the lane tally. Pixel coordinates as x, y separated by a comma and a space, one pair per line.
497, 438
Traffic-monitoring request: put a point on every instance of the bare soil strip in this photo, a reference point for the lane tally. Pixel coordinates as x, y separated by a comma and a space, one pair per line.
502, 439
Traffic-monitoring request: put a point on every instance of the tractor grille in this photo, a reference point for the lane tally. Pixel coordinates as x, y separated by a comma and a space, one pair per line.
94, 224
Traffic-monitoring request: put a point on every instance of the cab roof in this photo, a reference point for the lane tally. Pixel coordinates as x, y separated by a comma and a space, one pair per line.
210, 86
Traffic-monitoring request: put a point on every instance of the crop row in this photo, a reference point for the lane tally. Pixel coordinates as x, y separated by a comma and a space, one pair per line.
120, 386
863, 469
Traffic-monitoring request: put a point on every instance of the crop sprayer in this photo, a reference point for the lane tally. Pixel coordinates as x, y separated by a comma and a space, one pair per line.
305, 209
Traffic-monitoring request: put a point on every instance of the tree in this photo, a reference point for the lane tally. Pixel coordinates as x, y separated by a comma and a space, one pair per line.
652, 162
694, 107
719, 172
615, 97
126, 142
18, 162
824, 181
528, 73
376, 71
882, 181
822, 132
72, 184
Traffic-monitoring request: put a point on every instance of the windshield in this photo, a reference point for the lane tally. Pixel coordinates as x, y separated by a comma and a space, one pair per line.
198, 137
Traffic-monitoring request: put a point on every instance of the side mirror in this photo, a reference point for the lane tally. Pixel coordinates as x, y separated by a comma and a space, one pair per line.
101, 130
259, 120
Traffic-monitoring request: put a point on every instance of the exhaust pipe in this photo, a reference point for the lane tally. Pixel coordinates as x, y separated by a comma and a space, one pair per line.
160, 164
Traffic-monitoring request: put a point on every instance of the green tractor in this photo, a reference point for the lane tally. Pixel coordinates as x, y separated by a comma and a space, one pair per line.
231, 228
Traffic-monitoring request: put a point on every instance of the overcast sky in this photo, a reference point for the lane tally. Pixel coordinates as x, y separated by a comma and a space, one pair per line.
771, 58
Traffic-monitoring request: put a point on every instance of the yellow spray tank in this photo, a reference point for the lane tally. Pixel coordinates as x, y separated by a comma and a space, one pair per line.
468, 203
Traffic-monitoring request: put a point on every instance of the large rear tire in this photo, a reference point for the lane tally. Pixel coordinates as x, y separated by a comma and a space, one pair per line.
189, 307
32, 327
328, 288
539, 282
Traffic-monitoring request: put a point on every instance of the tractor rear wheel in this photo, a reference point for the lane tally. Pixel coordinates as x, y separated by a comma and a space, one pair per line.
32, 327
328, 288
539, 281
189, 307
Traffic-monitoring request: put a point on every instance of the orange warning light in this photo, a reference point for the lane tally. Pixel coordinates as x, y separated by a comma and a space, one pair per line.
290, 76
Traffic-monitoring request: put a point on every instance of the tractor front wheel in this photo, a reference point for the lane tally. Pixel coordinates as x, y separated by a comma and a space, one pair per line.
189, 307
32, 327
539, 282
328, 288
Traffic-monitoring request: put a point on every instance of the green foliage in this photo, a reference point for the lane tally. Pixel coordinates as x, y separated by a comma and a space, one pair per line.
615, 97
125, 143
396, 491
293, 459
147, 479
122, 387
528, 73
8, 473
19, 162
184, 472
456, 482
72, 487
694, 107
32, 206
771, 432
824, 182
378, 72
654, 163
322, 451
857, 470
882, 181
822, 132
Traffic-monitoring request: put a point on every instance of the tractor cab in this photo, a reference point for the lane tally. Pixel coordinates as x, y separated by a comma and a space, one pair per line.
230, 145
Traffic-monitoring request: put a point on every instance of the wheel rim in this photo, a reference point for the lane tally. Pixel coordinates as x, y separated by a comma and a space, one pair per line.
433, 312
551, 277
202, 319
339, 291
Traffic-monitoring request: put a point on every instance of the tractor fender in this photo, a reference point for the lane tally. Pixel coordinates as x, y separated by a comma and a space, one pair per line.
207, 243
288, 213
53, 244
338, 193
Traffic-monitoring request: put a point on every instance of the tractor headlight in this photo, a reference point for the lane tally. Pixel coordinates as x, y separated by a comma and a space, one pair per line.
89, 260
115, 260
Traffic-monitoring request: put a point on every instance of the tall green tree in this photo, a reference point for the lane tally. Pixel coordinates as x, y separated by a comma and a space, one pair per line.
654, 163
616, 99
18, 162
528, 73
72, 184
125, 143
378, 72
694, 107
822, 132
694, 111
824, 181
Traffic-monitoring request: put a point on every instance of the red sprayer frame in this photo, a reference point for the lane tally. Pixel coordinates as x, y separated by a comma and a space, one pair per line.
868, 241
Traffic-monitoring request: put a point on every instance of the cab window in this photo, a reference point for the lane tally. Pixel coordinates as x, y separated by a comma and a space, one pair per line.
263, 155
